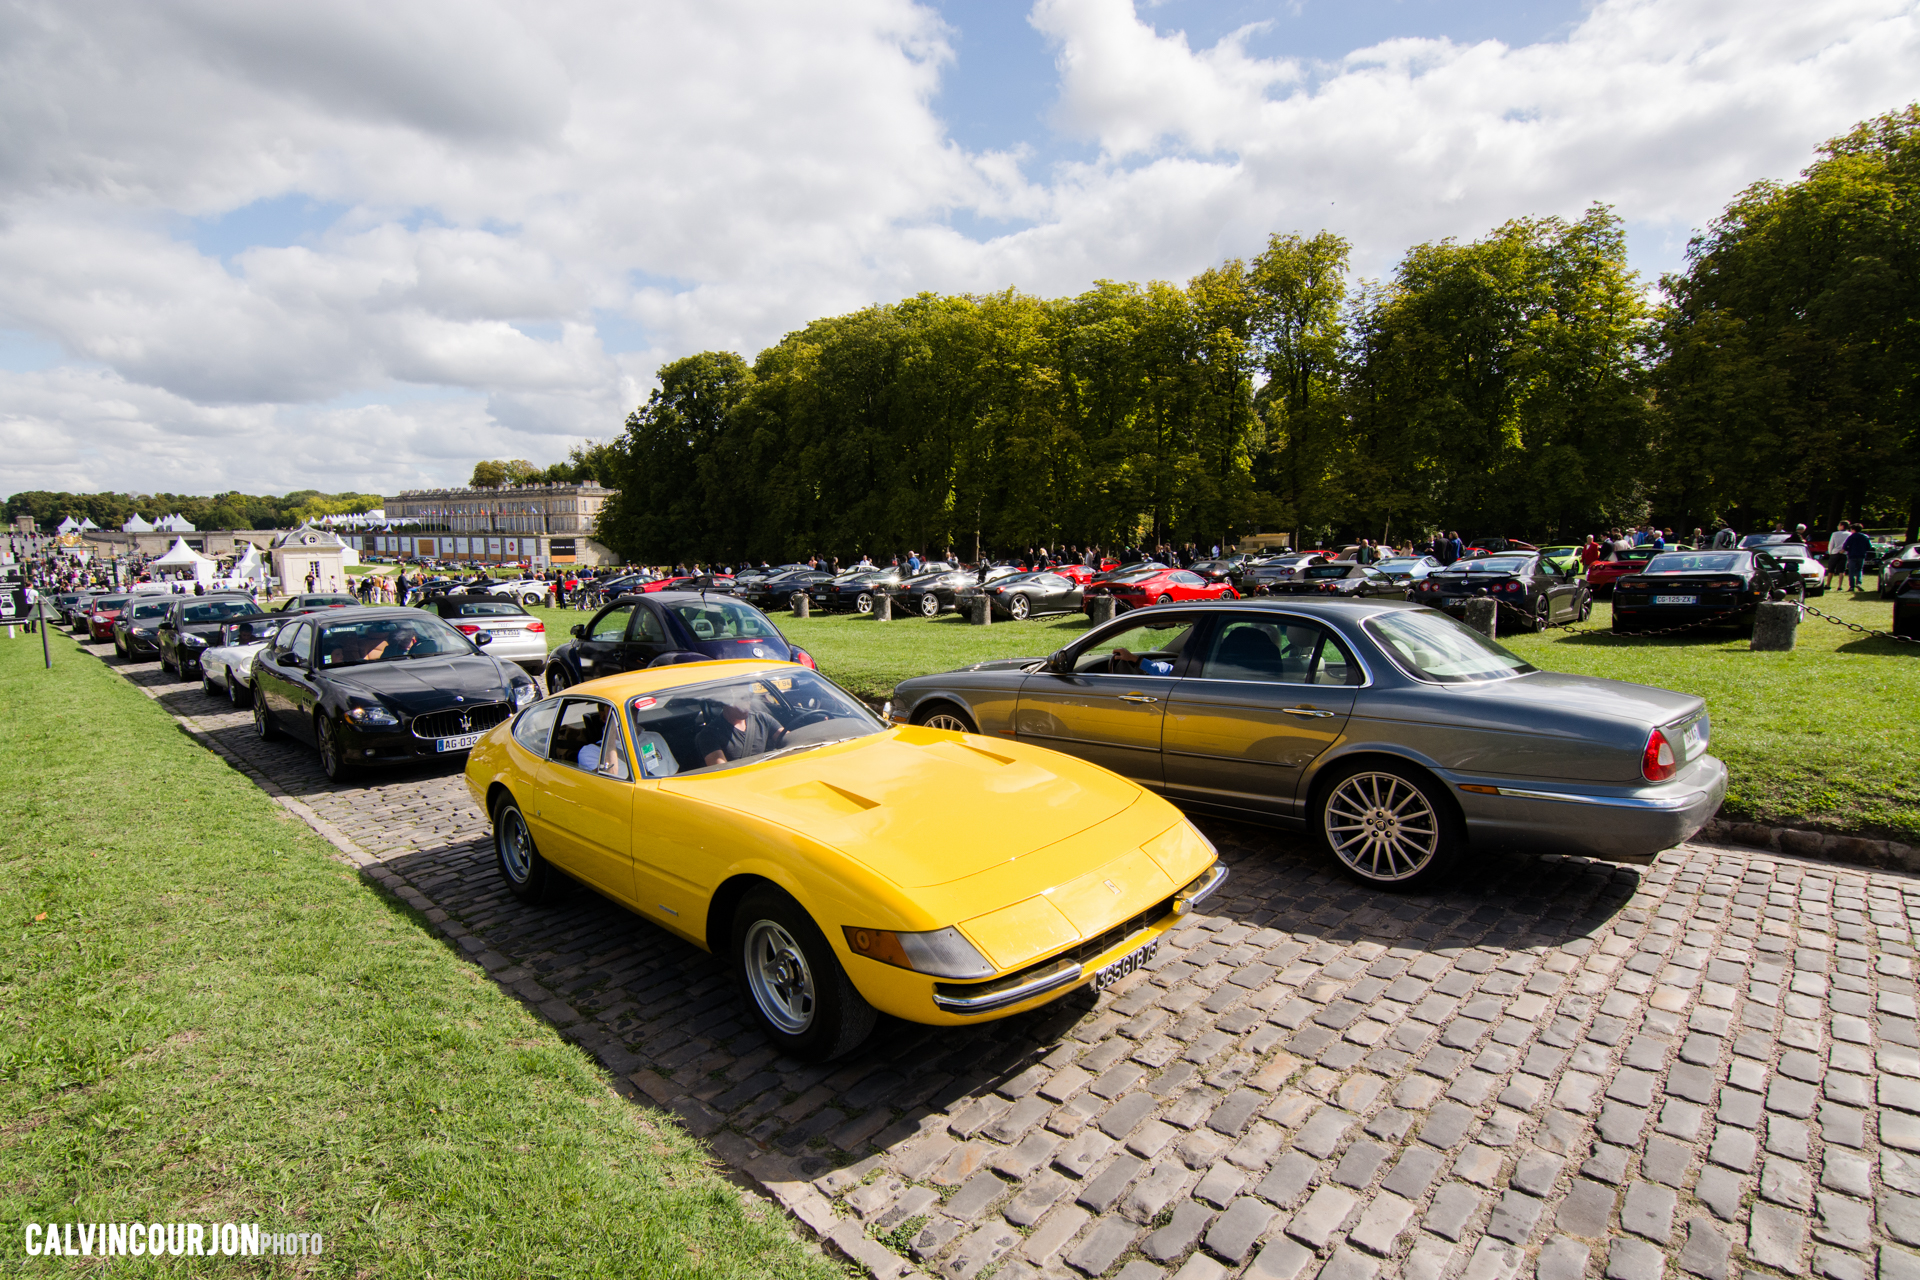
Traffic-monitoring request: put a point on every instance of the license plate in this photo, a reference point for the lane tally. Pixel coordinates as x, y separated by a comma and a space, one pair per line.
1125, 965
1676, 599
1696, 737
462, 743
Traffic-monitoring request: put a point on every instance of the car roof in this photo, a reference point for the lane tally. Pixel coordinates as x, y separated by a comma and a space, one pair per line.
680, 675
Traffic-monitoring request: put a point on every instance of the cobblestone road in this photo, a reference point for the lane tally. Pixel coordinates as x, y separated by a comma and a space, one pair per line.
1558, 1067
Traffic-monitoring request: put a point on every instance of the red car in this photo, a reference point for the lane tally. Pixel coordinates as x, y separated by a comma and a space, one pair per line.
692, 582
1078, 574
101, 615
1602, 574
1158, 585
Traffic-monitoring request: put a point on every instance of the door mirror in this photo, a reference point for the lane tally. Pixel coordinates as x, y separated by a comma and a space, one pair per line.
1058, 661
288, 659
578, 630
483, 637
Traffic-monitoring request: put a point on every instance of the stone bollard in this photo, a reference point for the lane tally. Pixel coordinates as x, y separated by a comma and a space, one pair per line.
1774, 624
801, 604
882, 607
982, 610
1101, 609
1483, 615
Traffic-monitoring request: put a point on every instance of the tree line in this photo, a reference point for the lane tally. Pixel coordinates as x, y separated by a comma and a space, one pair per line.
230, 510
1525, 383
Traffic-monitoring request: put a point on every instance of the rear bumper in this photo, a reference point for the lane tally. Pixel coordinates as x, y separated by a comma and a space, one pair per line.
1674, 615
1614, 823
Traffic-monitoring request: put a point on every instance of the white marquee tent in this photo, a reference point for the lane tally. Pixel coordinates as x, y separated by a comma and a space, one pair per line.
181, 556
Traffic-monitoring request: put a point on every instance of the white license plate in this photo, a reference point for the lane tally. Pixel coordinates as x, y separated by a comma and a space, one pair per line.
1676, 599
462, 743
1126, 964
1696, 737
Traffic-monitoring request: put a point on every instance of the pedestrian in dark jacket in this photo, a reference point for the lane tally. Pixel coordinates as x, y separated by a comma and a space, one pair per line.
1858, 548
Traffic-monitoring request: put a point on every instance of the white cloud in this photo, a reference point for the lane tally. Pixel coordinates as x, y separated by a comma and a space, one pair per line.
717, 173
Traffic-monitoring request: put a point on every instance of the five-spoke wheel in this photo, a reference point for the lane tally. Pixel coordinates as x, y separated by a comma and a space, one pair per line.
1019, 607
929, 605
797, 990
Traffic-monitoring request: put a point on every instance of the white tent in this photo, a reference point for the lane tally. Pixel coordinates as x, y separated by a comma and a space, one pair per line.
251, 569
182, 556
69, 525
136, 525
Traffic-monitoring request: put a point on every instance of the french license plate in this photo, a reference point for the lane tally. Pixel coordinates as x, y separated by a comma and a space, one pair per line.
462, 743
1126, 964
1695, 737
1676, 599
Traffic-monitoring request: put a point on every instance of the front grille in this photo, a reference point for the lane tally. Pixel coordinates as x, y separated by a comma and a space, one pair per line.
460, 720
1078, 954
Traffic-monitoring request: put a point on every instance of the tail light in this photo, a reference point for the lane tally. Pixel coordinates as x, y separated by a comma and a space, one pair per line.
466, 628
1658, 762
536, 625
1512, 588
805, 659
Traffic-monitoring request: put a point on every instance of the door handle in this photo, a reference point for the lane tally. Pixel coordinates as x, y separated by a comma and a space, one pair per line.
1308, 713
1138, 697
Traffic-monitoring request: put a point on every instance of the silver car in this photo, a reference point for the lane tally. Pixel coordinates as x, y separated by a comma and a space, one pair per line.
1399, 737
226, 668
518, 636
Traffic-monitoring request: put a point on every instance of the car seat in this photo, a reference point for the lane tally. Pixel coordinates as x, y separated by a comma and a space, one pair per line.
1248, 653
656, 755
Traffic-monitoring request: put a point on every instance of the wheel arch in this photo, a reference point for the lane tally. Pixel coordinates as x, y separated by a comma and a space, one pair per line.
944, 699
1330, 765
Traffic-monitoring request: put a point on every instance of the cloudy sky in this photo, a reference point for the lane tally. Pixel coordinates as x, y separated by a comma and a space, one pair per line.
357, 244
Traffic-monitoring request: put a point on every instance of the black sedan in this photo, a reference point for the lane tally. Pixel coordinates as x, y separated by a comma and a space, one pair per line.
1338, 578
776, 591
136, 632
641, 630
1530, 591
1026, 595
931, 594
382, 686
1698, 586
194, 622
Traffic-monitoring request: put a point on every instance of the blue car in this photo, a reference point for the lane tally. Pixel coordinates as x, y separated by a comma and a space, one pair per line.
662, 627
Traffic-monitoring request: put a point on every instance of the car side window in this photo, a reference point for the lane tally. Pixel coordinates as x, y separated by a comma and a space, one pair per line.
580, 734
647, 628
611, 625
1151, 647
300, 645
1279, 652
534, 727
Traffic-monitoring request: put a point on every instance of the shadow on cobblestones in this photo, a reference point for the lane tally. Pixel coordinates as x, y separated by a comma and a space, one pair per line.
1553, 1067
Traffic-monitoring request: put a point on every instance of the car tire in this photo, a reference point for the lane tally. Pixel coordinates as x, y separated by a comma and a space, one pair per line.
1388, 825
206, 683
529, 877
557, 680
264, 727
1541, 614
1586, 607
1231, 594
929, 606
863, 603
794, 984
237, 692
944, 715
1164, 599
529, 600
333, 760
1020, 607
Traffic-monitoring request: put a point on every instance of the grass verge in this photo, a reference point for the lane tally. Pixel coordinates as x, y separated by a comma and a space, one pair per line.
208, 1019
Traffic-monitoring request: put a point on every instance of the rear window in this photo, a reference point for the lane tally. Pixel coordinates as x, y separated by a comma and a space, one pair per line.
486, 609
1431, 646
1690, 562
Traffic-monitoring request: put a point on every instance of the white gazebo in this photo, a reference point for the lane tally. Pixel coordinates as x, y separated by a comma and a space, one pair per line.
181, 557
136, 525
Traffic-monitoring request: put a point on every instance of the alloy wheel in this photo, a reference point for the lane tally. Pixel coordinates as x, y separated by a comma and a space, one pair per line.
1382, 826
929, 607
865, 603
1019, 607
515, 846
779, 977
945, 720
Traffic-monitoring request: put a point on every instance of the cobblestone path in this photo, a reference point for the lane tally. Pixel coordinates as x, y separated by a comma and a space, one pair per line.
1557, 1068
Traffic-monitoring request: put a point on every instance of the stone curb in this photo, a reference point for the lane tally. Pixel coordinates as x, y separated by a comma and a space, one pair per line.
767, 1174
1881, 855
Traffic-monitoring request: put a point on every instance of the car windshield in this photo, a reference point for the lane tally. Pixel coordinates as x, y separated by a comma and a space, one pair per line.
324, 602
1134, 575
257, 631
217, 610
350, 644
1432, 646
1492, 564
738, 721
1694, 562
486, 609
1399, 564
151, 610
724, 620
111, 602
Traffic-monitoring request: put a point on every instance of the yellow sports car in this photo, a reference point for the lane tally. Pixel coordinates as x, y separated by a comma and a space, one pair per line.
844, 866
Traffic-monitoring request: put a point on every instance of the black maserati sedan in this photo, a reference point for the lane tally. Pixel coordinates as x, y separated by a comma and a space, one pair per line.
931, 594
1698, 586
382, 686
193, 623
1531, 592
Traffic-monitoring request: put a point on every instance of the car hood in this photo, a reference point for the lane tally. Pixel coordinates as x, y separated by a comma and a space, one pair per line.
922, 807
426, 683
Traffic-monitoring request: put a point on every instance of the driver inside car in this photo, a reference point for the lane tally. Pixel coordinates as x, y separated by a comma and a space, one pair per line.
1125, 662
742, 731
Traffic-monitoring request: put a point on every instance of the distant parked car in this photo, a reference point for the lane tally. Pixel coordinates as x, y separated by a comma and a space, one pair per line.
1340, 578
641, 630
226, 666
1677, 587
1020, 596
1602, 574
1529, 591
193, 623
518, 636
1897, 570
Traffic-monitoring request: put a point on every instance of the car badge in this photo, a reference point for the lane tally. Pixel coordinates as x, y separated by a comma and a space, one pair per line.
458, 698
1111, 885
466, 723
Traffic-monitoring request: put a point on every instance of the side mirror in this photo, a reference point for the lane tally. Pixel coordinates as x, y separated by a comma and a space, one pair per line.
579, 630
1057, 661
483, 637
287, 659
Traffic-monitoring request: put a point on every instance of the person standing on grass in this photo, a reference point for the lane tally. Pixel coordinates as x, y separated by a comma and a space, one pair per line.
1858, 547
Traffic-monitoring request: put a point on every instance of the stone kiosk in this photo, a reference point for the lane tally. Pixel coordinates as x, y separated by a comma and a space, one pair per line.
298, 552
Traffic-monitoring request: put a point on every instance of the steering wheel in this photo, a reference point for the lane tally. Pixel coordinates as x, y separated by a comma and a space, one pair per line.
810, 718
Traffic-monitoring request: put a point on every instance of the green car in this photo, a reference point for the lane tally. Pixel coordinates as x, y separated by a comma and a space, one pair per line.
1565, 559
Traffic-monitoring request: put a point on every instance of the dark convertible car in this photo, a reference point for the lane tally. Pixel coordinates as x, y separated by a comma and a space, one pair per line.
639, 631
1531, 592
382, 686
1399, 737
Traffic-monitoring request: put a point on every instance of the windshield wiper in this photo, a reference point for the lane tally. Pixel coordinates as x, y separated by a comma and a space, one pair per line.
804, 746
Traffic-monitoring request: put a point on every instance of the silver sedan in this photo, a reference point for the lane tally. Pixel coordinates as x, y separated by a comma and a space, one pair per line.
1399, 737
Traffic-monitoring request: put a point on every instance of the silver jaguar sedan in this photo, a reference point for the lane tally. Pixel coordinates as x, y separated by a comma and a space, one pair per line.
1401, 738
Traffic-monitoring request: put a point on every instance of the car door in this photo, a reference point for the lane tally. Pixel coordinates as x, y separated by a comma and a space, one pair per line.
600, 647
1106, 715
1268, 694
583, 817
167, 634
291, 650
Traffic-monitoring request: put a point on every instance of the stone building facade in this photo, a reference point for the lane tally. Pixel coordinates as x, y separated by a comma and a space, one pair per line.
536, 523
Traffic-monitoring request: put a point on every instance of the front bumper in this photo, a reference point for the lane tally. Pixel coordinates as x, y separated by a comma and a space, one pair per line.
1623, 824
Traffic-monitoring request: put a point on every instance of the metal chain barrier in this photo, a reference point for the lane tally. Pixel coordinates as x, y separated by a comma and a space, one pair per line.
1854, 626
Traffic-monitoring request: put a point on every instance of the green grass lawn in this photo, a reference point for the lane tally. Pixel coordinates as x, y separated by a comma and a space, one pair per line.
1826, 736
208, 1019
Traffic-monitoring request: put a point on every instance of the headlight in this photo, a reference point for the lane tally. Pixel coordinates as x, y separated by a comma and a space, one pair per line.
522, 692
196, 641
373, 717
943, 953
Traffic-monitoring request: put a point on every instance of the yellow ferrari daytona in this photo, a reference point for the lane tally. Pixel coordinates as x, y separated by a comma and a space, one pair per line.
841, 865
